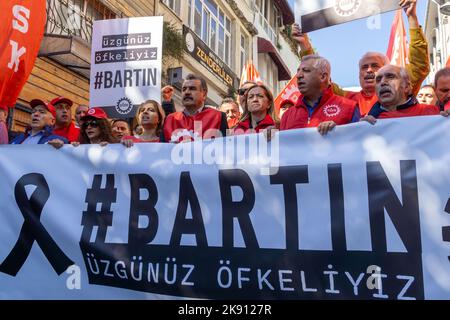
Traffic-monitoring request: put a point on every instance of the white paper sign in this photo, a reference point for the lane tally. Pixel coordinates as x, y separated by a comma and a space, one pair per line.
126, 64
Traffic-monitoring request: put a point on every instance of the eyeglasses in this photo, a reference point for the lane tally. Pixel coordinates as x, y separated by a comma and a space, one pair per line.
242, 91
92, 123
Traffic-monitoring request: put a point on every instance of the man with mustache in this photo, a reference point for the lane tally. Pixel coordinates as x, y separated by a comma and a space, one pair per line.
40, 130
64, 126
196, 121
371, 62
395, 98
442, 89
318, 106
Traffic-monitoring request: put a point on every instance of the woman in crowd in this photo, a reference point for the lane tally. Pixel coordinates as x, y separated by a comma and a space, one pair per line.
259, 111
149, 118
96, 129
427, 95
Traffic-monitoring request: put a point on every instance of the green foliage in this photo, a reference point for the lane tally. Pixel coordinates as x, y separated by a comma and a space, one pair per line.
173, 42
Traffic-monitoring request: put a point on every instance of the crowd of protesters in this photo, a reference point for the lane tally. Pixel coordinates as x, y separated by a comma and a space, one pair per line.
387, 91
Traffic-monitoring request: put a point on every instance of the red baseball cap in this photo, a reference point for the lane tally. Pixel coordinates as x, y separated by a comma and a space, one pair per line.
95, 112
37, 102
61, 100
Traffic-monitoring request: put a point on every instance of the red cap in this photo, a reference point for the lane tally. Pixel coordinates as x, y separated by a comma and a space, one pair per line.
61, 100
285, 101
95, 112
37, 102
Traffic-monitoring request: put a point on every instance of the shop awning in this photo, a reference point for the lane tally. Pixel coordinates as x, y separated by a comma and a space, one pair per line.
71, 51
265, 46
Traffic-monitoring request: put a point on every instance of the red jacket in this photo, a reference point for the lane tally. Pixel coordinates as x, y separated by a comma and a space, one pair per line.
244, 126
179, 126
410, 109
70, 132
365, 103
331, 108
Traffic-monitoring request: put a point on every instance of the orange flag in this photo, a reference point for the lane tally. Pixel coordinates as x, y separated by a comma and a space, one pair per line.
21, 31
290, 92
249, 73
398, 48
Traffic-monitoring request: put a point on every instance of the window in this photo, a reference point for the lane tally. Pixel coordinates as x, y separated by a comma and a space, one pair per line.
75, 17
269, 18
198, 17
211, 24
268, 72
244, 50
174, 5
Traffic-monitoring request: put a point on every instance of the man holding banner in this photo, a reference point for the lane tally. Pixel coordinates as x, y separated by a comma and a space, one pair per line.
371, 62
318, 106
393, 89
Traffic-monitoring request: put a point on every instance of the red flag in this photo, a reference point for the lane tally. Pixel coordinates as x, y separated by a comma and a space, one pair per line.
21, 31
249, 73
290, 92
398, 48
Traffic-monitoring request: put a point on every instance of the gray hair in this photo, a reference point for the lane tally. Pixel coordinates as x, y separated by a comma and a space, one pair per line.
228, 100
379, 55
404, 75
320, 63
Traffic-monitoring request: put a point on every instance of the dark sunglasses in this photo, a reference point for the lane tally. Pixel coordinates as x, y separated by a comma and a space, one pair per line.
92, 123
242, 91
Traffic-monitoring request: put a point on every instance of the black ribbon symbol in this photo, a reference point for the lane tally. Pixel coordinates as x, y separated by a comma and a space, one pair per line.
32, 229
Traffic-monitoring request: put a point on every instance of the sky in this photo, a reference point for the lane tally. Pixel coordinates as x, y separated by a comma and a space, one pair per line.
343, 45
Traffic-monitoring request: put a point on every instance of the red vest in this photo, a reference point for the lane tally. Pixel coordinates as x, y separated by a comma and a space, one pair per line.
412, 111
178, 126
243, 127
70, 132
331, 108
365, 103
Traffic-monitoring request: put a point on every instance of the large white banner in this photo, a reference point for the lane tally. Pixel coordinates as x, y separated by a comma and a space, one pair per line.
125, 64
362, 213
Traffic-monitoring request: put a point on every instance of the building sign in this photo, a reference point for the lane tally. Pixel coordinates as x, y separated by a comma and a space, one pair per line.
316, 15
125, 64
207, 58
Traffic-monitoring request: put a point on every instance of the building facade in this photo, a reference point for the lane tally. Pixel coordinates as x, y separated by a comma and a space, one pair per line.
222, 35
219, 37
437, 33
